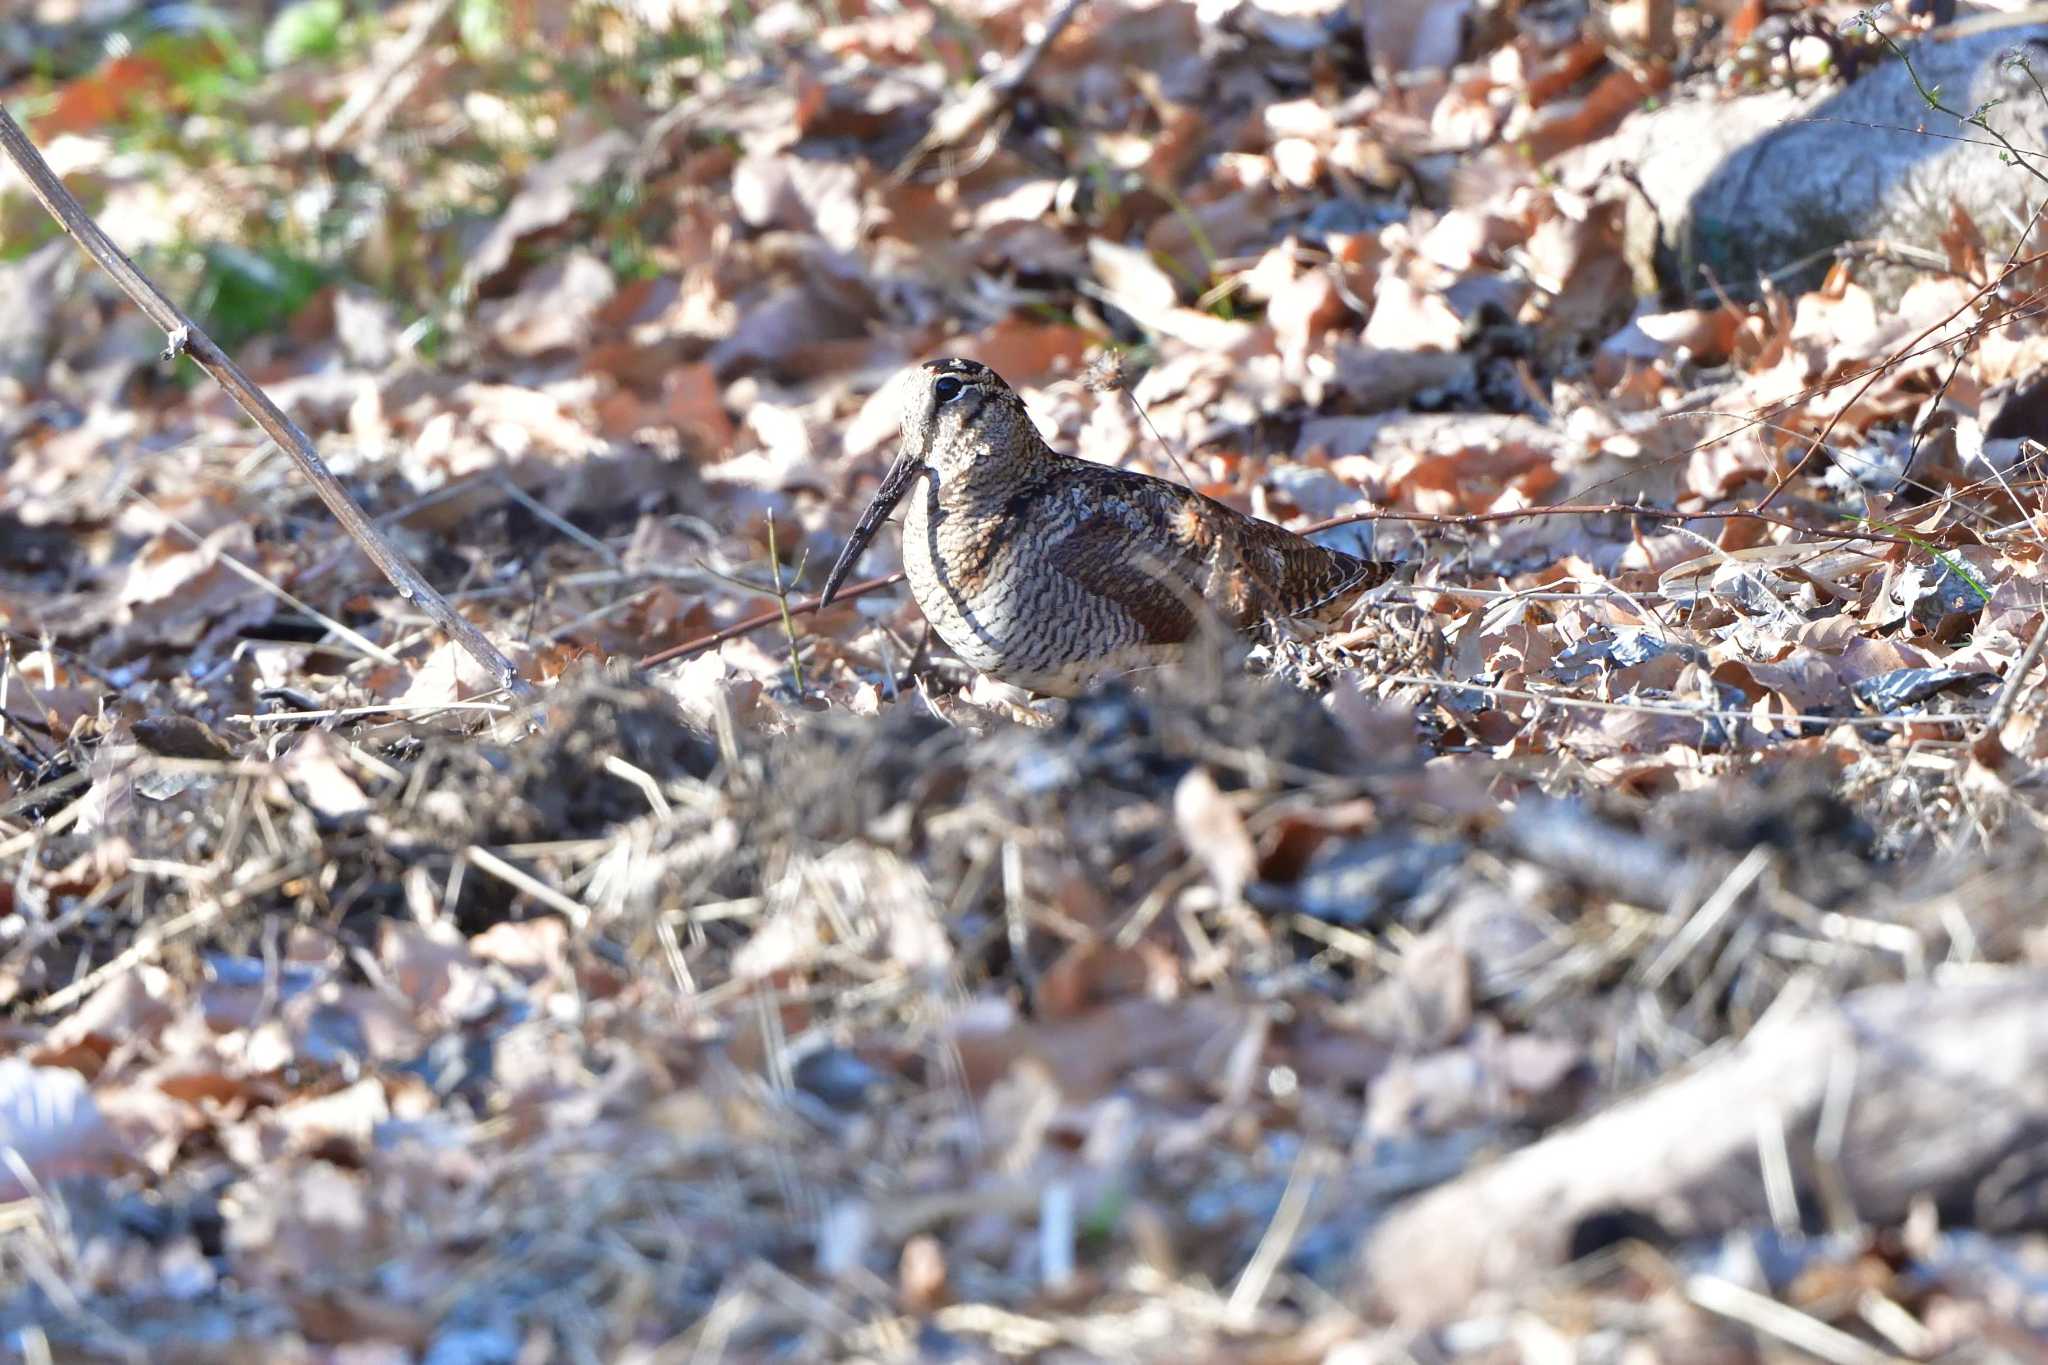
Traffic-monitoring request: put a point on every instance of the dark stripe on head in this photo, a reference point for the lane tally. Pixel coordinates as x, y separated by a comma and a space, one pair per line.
971, 405
956, 365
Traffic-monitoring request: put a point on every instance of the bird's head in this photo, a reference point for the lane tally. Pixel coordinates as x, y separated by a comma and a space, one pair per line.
958, 416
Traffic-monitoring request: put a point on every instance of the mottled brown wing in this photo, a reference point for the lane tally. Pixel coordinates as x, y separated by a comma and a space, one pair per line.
1301, 578
1167, 554
1124, 547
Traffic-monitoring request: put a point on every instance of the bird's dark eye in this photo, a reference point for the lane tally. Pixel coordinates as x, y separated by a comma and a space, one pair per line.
948, 388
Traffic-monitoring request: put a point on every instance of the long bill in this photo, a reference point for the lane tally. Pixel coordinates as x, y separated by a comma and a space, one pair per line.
894, 485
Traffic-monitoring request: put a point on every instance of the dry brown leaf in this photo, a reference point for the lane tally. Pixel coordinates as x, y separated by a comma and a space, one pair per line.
1700, 334
106, 96
532, 949
1025, 352
1409, 317
1132, 282
1303, 311
318, 770
1214, 833
446, 675
550, 193
132, 1007
1494, 1077
554, 309
800, 194
1413, 35
1963, 242
349, 1116
1559, 127
1086, 1057
434, 969
1426, 1003
1807, 682
1092, 974
1192, 242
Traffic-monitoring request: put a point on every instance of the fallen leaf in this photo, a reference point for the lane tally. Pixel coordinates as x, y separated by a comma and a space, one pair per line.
49, 1128
1214, 833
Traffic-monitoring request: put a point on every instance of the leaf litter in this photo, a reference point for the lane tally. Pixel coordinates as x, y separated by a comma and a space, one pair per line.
810, 998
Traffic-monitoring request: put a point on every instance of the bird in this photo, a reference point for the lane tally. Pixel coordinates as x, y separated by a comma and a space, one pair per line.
1048, 572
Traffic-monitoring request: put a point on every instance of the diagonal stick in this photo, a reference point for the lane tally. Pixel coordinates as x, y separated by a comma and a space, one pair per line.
186, 338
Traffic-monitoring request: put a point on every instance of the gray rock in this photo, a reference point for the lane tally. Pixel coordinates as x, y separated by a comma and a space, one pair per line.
1770, 184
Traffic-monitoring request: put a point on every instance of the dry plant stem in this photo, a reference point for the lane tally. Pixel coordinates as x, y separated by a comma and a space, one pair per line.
1820, 439
1978, 120
1782, 1321
796, 665
369, 647
577, 913
378, 93
1911, 350
966, 117
1609, 509
768, 618
187, 338
1660, 31
2015, 682
1146, 418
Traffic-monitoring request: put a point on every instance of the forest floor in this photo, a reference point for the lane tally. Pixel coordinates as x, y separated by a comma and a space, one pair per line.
804, 996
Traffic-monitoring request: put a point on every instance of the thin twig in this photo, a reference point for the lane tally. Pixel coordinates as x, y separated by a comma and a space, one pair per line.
40, 795
382, 89
152, 939
186, 338
1877, 372
1781, 1321
796, 665
767, 618
1607, 509
969, 115
1912, 350
353, 712
2012, 265
255, 579
1676, 710
1916, 132
555, 519
1279, 1237
577, 913
2015, 683
1933, 98
1146, 418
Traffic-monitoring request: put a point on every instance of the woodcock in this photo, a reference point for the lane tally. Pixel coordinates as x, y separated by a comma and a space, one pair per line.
1047, 571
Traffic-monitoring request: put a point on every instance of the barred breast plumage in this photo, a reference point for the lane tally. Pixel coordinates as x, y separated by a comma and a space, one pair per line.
1047, 571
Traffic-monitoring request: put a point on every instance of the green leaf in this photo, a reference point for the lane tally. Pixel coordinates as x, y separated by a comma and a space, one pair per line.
483, 26
244, 293
1947, 561
307, 28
